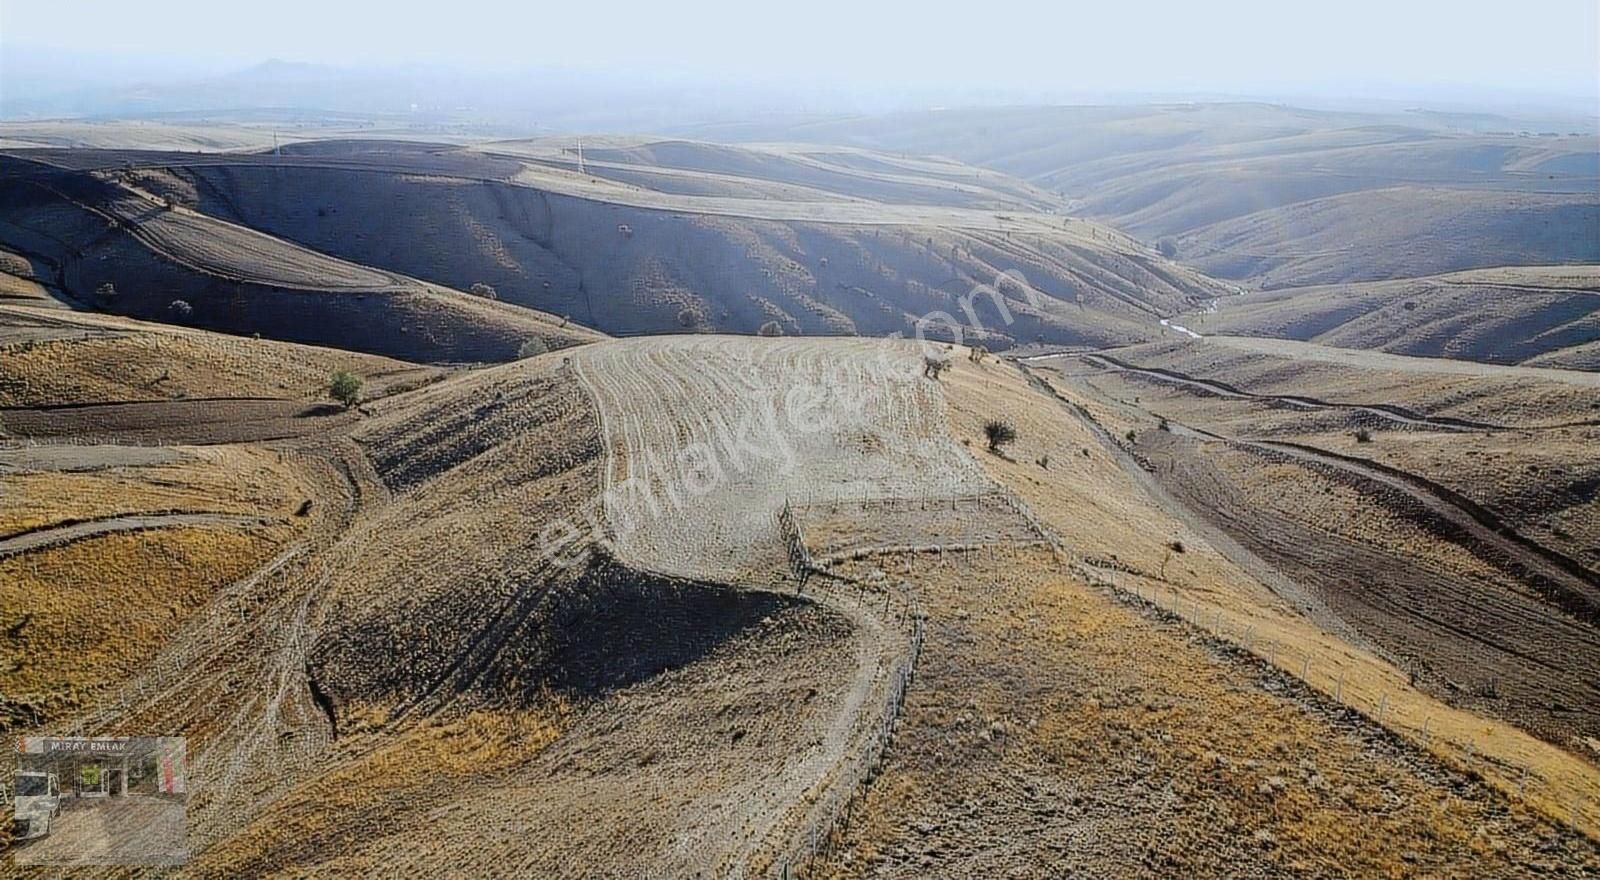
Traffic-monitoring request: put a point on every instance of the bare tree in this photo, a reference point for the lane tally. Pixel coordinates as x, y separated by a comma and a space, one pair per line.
998, 434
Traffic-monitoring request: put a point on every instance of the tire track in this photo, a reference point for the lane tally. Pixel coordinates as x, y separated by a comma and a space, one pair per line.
1389, 412
78, 530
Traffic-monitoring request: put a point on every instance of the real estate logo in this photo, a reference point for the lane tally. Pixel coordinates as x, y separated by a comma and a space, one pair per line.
104, 800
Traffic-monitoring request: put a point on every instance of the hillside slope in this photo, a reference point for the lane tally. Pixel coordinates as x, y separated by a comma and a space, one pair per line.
84, 230
624, 258
1540, 315
839, 624
1274, 194
1397, 232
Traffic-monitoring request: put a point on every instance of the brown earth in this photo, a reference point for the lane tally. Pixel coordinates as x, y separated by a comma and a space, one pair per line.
409, 667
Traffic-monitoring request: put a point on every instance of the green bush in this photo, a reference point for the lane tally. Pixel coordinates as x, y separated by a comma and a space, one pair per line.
345, 387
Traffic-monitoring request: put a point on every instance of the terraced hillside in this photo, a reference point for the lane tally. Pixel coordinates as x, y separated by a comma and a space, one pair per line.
1536, 315
819, 243
83, 231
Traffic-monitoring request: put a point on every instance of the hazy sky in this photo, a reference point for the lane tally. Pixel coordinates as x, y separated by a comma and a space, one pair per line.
1359, 46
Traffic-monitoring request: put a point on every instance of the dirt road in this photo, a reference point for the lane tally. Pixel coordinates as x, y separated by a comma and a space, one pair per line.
64, 533
1388, 412
195, 421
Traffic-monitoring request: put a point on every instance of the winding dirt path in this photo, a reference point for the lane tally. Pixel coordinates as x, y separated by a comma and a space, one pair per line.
1398, 414
1564, 581
67, 532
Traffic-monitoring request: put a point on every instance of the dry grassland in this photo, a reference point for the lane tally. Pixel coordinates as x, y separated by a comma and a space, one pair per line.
100, 358
1098, 504
1058, 730
374, 792
85, 616
94, 484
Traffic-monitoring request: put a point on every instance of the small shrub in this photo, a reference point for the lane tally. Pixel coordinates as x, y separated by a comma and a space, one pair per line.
688, 318
933, 367
484, 290
1176, 546
106, 293
1409, 306
533, 348
1363, 435
1043, 461
998, 434
771, 328
345, 387
1165, 425
1131, 435
181, 310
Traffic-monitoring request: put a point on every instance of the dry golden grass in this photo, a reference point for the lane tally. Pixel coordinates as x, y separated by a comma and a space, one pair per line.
85, 615
211, 479
1104, 516
380, 782
22, 288
1512, 396
1539, 481
146, 362
1148, 751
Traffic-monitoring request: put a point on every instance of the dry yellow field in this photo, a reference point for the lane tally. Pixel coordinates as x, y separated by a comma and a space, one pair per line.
1124, 538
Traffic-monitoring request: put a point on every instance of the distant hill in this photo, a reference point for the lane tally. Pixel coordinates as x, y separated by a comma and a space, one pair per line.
681, 237
1397, 232
1540, 316
1280, 195
106, 242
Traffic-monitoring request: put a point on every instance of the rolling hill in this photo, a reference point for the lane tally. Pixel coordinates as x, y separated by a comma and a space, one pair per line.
1396, 232
1536, 315
707, 250
80, 231
1275, 194
869, 624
